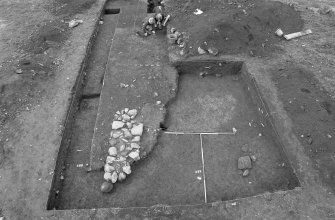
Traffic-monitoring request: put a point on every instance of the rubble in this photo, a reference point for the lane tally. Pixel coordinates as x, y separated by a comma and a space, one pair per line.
125, 147
244, 163
201, 51
74, 23
213, 51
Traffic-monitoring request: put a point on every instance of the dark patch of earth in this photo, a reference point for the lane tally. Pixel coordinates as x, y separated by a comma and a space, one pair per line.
312, 112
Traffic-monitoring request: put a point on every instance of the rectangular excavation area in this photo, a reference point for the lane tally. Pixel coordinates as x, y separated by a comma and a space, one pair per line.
218, 97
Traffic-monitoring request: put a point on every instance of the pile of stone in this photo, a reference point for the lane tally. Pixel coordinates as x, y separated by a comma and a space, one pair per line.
124, 147
211, 50
178, 38
245, 164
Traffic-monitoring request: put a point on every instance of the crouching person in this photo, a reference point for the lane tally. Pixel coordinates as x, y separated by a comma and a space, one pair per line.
148, 25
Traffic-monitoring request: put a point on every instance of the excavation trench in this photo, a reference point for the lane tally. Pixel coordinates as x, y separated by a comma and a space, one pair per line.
216, 116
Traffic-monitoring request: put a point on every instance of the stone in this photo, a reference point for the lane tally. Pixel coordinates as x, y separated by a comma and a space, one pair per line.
122, 176
129, 125
117, 134
213, 51
106, 187
132, 112
122, 159
125, 117
108, 177
136, 139
134, 146
117, 124
126, 133
112, 151
134, 155
114, 177
246, 173
126, 110
201, 51
112, 142
108, 168
253, 158
127, 169
173, 30
110, 159
244, 163
122, 147
137, 130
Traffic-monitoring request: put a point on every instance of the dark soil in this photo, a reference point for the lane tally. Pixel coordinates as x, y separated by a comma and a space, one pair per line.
235, 27
312, 112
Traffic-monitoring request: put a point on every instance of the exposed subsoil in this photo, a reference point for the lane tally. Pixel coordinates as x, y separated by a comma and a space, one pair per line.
312, 112
235, 27
27, 76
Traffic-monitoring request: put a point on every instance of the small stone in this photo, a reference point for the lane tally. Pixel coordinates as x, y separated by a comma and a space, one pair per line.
172, 30
122, 176
122, 147
246, 173
137, 130
129, 125
126, 110
106, 187
118, 112
108, 177
132, 112
201, 51
126, 133
122, 159
136, 139
134, 146
127, 169
108, 168
114, 177
112, 151
125, 117
134, 155
310, 140
213, 51
110, 159
244, 163
117, 124
117, 134
218, 75
158, 102
155, 94
253, 158
18, 71
112, 142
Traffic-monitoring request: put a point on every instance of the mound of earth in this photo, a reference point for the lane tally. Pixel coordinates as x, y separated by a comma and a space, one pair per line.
234, 27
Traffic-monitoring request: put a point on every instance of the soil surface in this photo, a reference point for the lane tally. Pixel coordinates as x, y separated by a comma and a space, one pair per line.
312, 111
41, 59
235, 27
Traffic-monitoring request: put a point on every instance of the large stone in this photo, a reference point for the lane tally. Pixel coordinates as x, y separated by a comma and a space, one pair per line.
114, 177
126, 117
108, 177
110, 159
112, 151
244, 163
137, 130
201, 51
134, 155
136, 139
108, 168
122, 176
132, 112
134, 146
117, 125
106, 187
127, 169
